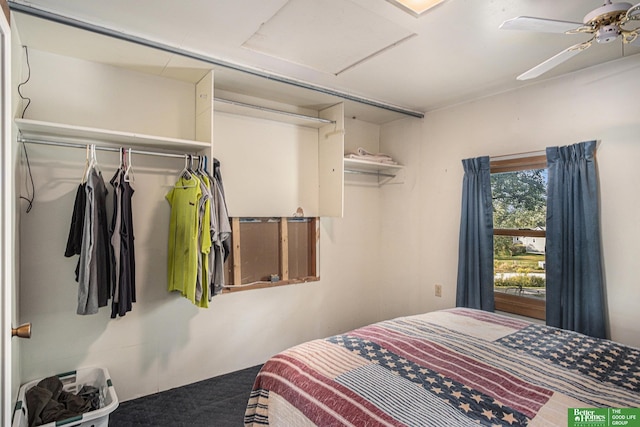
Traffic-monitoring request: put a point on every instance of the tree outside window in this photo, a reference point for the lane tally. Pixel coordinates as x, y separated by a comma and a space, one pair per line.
519, 193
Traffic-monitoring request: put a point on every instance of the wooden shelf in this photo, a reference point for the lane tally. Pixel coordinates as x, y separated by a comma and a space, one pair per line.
242, 109
58, 132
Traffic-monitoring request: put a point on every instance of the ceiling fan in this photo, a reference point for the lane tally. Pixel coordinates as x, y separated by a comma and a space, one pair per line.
604, 23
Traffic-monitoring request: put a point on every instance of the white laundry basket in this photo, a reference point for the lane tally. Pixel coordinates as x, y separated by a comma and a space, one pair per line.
72, 382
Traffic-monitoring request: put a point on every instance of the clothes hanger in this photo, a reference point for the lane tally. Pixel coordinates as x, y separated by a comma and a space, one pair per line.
94, 158
191, 163
194, 171
85, 172
202, 165
128, 173
92, 161
196, 161
186, 173
206, 169
123, 160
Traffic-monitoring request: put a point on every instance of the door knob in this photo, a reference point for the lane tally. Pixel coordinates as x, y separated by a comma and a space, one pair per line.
22, 331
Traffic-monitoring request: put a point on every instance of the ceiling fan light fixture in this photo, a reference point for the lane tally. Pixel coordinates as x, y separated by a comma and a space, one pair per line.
607, 33
605, 14
415, 7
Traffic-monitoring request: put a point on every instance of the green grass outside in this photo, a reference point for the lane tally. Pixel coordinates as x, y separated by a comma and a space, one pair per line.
520, 264
524, 263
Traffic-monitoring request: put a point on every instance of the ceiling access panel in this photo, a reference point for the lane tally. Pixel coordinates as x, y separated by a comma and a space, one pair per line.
330, 36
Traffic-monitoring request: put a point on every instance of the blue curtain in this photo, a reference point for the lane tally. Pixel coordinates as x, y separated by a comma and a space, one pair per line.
475, 253
575, 288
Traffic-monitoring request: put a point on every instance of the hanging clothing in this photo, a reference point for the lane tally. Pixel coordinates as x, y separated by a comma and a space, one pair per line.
202, 296
122, 243
94, 270
87, 298
221, 205
209, 226
222, 230
101, 257
106, 266
183, 250
199, 236
127, 253
74, 241
115, 240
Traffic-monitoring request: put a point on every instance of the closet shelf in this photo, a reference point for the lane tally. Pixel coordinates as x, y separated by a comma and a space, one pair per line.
58, 132
371, 168
243, 109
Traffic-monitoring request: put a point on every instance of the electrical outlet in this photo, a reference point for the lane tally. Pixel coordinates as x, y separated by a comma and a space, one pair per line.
438, 290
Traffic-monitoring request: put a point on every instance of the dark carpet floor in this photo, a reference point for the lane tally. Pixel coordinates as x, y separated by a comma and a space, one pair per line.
216, 402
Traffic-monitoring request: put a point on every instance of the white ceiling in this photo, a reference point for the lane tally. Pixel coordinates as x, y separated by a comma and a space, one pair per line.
367, 48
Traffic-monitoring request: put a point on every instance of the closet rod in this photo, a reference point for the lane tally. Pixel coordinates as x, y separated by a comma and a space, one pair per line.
274, 111
102, 148
368, 173
216, 62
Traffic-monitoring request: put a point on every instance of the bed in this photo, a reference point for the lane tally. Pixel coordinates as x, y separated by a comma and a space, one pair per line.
456, 367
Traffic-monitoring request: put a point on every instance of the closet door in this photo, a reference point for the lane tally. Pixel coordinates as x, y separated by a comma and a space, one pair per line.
6, 221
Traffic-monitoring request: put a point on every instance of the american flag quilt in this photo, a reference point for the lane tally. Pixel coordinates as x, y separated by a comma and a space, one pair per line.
457, 367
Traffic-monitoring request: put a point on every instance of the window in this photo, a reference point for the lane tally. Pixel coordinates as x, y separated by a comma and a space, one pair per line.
270, 252
519, 191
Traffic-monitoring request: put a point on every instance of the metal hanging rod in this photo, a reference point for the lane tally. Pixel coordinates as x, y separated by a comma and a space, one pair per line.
274, 111
119, 35
103, 148
356, 172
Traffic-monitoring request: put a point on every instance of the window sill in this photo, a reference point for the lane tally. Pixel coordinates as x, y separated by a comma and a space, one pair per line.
525, 318
524, 306
262, 285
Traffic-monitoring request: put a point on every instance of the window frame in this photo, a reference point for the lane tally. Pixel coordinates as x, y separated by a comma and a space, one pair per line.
235, 260
516, 304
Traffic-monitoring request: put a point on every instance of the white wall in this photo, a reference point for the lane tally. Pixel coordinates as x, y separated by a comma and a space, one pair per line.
284, 165
598, 103
165, 341
84, 93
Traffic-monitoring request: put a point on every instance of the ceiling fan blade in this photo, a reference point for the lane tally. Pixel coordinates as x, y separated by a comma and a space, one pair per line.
636, 41
554, 61
633, 14
541, 25
631, 37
